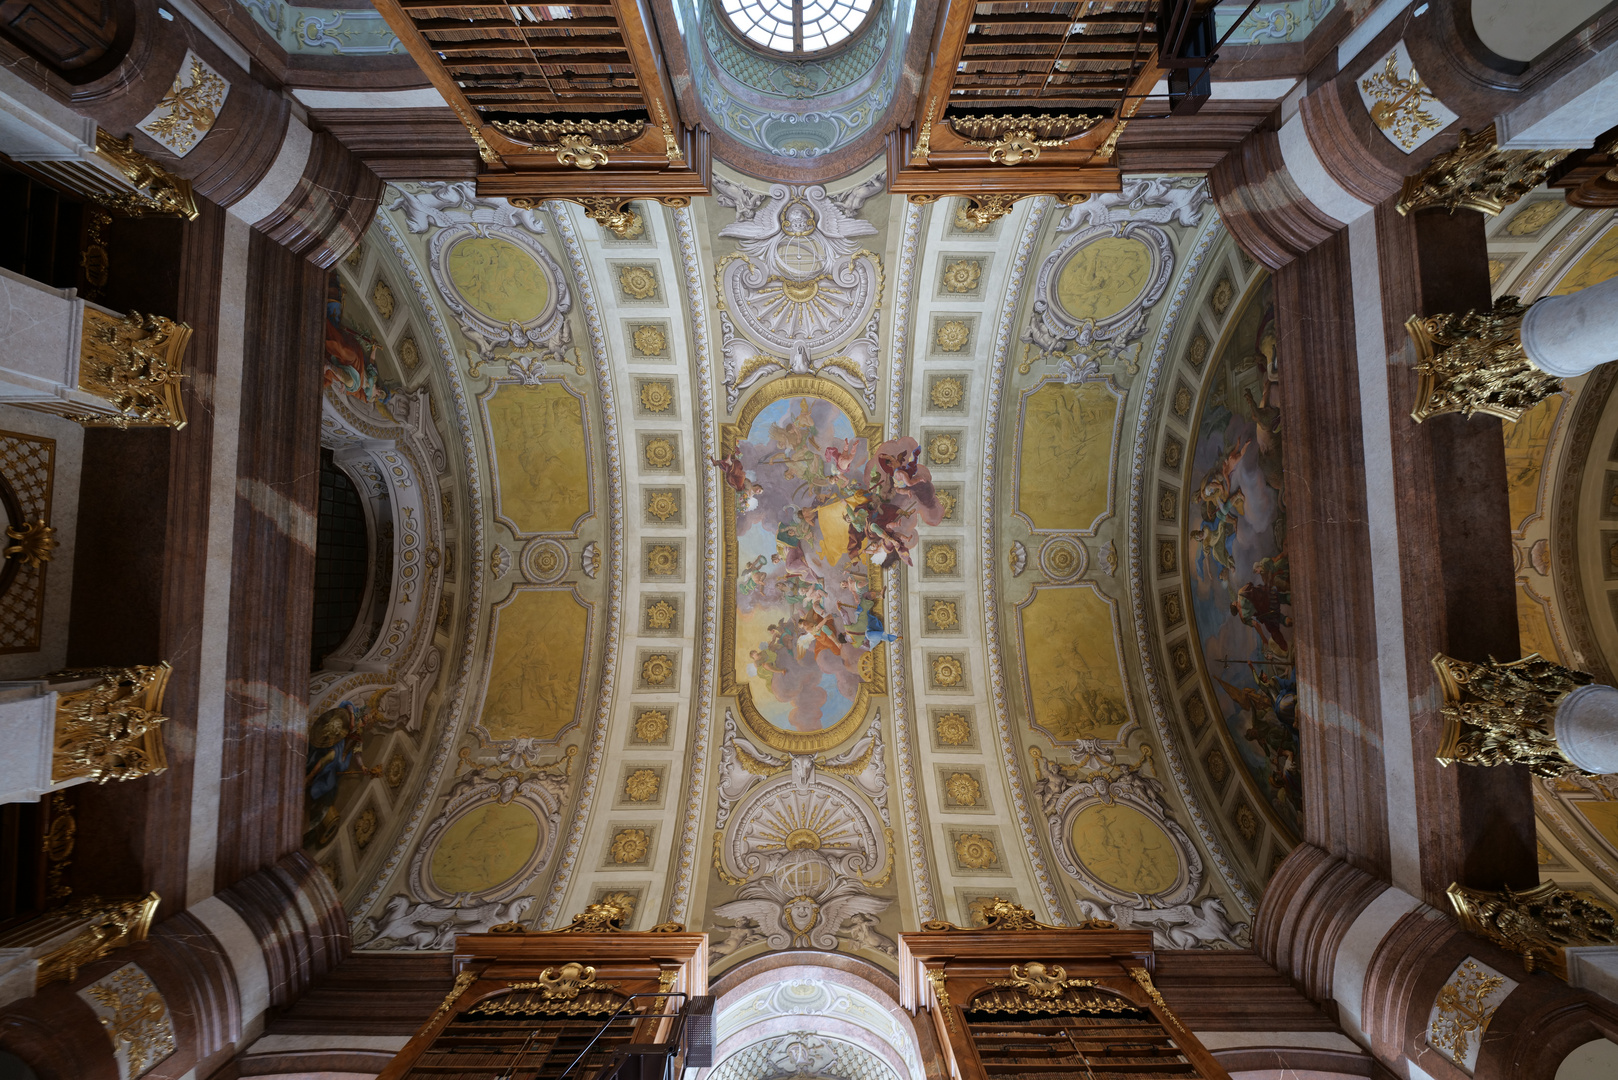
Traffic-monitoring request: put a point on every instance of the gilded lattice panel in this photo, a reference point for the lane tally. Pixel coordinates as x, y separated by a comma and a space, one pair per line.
27, 465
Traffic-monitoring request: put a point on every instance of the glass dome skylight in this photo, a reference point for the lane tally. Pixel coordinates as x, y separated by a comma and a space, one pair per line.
796, 26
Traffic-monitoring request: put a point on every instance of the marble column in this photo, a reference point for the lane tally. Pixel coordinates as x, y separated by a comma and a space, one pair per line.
1572, 335
249, 150
1378, 959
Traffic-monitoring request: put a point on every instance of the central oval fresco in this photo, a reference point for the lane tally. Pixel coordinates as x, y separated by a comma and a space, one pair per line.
816, 507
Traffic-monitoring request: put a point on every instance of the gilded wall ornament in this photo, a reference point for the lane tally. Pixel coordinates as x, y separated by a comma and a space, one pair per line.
1502, 714
364, 828
656, 396
189, 110
942, 449
590, 559
943, 614
499, 562
395, 771
630, 846
656, 669
108, 924
660, 616
947, 500
948, 671
659, 453
652, 726
1537, 924
940, 558
952, 729
1012, 140
650, 341
637, 282
663, 505
962, 276
1198, 352
616, 217
1478, 175
1462, 1010
1042, 981
642, 785
947, 392
952, 336
963, 789
1401, 105
979, 212
157, 191
135, 1016
35, 541
409, 353
382, 298
1182, 400
1222, 295
1534, 217
976, 852
663, 560
1017, 557
570, 980
133, 364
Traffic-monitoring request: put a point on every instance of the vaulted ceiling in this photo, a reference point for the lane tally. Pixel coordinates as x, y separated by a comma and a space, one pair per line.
815, 564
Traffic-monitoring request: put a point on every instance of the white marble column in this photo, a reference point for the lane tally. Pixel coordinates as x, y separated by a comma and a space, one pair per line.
1586, 728
1570, 335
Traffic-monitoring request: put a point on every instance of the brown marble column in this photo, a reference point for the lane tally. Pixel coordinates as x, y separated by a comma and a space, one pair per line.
292, 926
1455, 552
137, 595
257, 156
272, 579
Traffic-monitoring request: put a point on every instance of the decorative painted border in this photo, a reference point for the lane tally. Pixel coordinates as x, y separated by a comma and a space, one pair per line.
1212, 229
455, 696
898, 697
680, 894
991, 612
614, 538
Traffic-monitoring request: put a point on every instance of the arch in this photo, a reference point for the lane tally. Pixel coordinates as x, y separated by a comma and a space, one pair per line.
1520, 30
850, 1006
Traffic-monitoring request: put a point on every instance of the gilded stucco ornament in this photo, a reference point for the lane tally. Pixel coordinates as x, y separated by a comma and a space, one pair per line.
113, 729
133, 365
1537, 924
156, 190
34, 543
1043, 981
1401, 104
107, 924
1475, 363
1477, 175
1503, 714
1012, 140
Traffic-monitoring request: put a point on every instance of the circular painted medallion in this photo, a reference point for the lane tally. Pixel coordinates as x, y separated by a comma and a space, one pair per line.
1126, 849
498, 279
1101, 278
485, 847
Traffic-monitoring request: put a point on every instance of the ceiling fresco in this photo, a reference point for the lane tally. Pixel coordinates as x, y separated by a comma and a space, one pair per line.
813, 564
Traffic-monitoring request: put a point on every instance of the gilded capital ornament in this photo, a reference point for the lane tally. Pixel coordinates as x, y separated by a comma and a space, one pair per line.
1538, 924
1504, 714
614, 214
1477, 175
157, 191
1475, 363
108, 924
133, 364
113, 730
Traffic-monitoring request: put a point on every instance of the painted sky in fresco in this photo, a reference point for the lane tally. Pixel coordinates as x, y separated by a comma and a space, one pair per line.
818, 515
